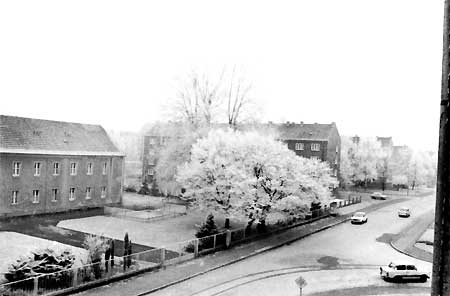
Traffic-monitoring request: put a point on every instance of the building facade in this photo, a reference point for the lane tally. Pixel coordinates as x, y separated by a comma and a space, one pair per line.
51, 166
319, 141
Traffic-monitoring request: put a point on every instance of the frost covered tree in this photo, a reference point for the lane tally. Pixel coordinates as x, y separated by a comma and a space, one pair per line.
247, 175
363, 162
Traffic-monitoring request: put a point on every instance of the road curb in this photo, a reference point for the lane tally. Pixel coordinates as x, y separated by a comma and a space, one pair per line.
257, 252
405, 251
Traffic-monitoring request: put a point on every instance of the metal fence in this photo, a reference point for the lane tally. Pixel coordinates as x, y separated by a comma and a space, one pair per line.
168, 211
154, 259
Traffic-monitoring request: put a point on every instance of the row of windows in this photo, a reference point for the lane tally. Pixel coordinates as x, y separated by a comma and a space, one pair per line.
301, 146
56, 194
17, 167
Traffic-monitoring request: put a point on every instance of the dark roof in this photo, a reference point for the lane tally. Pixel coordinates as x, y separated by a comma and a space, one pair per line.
385, 141
303, 131
37, 136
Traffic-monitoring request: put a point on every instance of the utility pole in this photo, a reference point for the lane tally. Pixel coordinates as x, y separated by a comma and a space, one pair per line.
440, 285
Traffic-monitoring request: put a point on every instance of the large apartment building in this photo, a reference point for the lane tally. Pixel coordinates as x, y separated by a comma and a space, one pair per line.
51, 166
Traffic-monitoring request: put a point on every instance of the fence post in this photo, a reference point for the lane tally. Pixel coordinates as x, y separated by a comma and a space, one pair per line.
214, 243
196, 248
74, 277
340, 204
228, 239
163, 257
35, 285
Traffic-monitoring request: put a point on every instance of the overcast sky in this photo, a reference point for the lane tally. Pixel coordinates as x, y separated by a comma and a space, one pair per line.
371, 66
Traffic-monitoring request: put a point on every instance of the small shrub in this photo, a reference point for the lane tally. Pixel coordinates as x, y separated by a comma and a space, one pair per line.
207, 228
129, 188
96, 247
42, 262
144, 190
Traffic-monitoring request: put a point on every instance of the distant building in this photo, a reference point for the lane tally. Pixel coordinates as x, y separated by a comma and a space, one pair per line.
130, 144
51, 166
154, 140
356, 139
386, 142
320, 141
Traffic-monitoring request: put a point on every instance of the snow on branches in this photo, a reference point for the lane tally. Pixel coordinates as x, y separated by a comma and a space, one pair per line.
248, 175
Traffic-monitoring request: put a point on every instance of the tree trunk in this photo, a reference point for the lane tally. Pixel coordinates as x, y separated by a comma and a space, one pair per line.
227, 223
248, 228
261, 227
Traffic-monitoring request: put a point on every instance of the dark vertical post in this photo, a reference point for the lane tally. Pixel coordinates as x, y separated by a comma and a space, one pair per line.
440, 285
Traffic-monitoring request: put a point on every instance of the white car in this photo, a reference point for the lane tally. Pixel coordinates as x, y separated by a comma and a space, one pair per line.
378, 195
359, 217
404, 212
402, 271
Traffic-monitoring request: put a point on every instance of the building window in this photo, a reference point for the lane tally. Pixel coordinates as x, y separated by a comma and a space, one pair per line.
72, 193
299, 146
73, 168
103, 195
55, 168
88, 192
37, 168
335, 172
315, 147
16, 168
89, 168
336, 161
150, 172
105, 166
54, 195
337, 149
14, 196
35, 196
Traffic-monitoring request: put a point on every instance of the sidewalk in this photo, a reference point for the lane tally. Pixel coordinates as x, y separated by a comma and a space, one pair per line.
406, 240
150, 282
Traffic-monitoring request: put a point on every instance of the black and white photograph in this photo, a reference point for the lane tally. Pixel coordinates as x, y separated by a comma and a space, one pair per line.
222, 148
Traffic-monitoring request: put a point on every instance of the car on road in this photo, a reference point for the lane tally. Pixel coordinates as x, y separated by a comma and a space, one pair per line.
398, 271
404, 212
358, 218
378, 195
334, 206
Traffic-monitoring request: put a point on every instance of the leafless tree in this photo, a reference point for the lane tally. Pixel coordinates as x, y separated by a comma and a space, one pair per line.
198, 99
237, 97
202, 99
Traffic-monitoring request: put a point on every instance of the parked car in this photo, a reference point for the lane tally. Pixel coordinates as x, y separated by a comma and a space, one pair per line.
404, 212
402, 271
358, 217
378, 195
334, 206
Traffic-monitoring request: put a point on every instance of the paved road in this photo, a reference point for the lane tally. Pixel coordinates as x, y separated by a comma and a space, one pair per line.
344, 258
